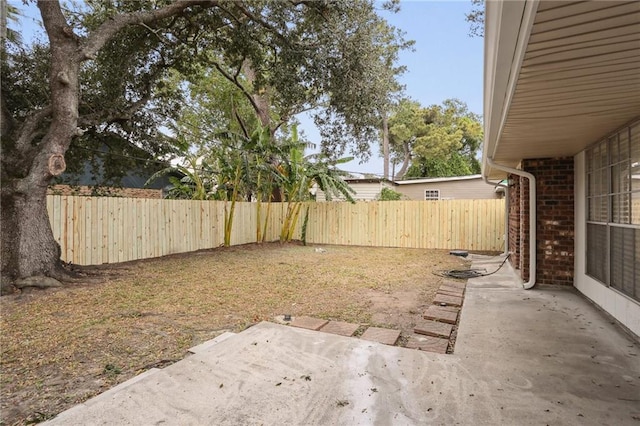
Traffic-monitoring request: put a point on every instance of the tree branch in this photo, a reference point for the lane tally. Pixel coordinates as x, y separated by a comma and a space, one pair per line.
29, 129
8, 122
109, 117
235, 81
109, 28
262, 22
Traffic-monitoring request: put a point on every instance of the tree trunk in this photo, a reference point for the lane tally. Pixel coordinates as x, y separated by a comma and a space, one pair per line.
405, 162
262, 106
385, 145
28, 246
260, 100
3, 20
33, 150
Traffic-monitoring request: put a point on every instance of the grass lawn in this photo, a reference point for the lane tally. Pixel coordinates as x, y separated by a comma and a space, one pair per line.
60, 347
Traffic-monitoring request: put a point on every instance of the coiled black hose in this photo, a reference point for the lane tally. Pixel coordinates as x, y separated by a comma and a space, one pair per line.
465, 274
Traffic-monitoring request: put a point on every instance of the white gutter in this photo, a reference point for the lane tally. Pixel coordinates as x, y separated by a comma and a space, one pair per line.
508, 26
532, 217
506, 213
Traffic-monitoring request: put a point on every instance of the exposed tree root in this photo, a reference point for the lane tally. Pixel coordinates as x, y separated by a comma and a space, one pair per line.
37, 281
62, 275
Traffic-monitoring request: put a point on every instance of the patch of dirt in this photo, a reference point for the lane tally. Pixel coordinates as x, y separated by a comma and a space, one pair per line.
61, 346
400, 309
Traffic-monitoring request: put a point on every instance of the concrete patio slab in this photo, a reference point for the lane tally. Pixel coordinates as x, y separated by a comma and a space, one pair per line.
273, 374
548, 355
522, 357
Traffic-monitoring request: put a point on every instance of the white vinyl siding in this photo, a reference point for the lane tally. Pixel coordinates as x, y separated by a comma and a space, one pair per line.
454, 188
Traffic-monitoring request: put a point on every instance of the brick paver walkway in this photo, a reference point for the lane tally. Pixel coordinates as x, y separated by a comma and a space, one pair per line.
433, 333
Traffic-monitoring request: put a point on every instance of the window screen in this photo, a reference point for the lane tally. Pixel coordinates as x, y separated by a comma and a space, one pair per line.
613, 211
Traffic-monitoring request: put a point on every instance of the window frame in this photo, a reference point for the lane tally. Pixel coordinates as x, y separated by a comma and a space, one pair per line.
431, 198
609, 203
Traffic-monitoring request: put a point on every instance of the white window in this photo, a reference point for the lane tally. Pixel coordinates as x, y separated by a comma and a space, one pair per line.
432, 194
613, 211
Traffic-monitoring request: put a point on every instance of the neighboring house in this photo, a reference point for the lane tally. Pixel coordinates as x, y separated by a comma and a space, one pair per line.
562, 124
91, 179
366, 189
448, 188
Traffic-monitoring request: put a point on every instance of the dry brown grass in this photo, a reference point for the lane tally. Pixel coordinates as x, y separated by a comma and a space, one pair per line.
60, 347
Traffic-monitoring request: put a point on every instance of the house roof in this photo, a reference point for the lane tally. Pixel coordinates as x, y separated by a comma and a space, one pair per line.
366, 180
559, 76
440, 179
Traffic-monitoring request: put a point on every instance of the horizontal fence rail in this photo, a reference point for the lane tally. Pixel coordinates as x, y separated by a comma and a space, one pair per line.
96, 230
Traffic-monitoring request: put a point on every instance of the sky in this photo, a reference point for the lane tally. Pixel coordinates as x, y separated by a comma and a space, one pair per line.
445, 62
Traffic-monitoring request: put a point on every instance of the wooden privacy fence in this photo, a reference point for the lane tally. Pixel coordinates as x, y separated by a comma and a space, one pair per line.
445, 224
96, 230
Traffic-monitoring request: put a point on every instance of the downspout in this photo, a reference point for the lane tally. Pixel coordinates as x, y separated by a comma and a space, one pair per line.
532, 217
506, 215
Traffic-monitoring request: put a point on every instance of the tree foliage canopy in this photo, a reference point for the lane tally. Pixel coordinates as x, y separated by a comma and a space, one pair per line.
435, 141
475, 18
336, 58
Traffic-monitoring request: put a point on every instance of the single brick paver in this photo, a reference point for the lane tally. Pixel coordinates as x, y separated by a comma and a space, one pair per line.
434, 328
454, 309
339, 327
442, 299
453, 290
448, 293
309, 323
381, 335
455, 284
439, 314
428, 344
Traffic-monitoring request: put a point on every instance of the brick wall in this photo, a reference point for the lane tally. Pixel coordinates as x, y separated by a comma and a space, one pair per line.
555, 220
104, 191
556, 217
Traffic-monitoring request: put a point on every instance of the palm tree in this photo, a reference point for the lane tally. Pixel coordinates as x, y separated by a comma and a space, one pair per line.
13, 14
297, 175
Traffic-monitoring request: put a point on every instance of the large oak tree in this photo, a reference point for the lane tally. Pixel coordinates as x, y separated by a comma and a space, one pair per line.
106, 71
435, 141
